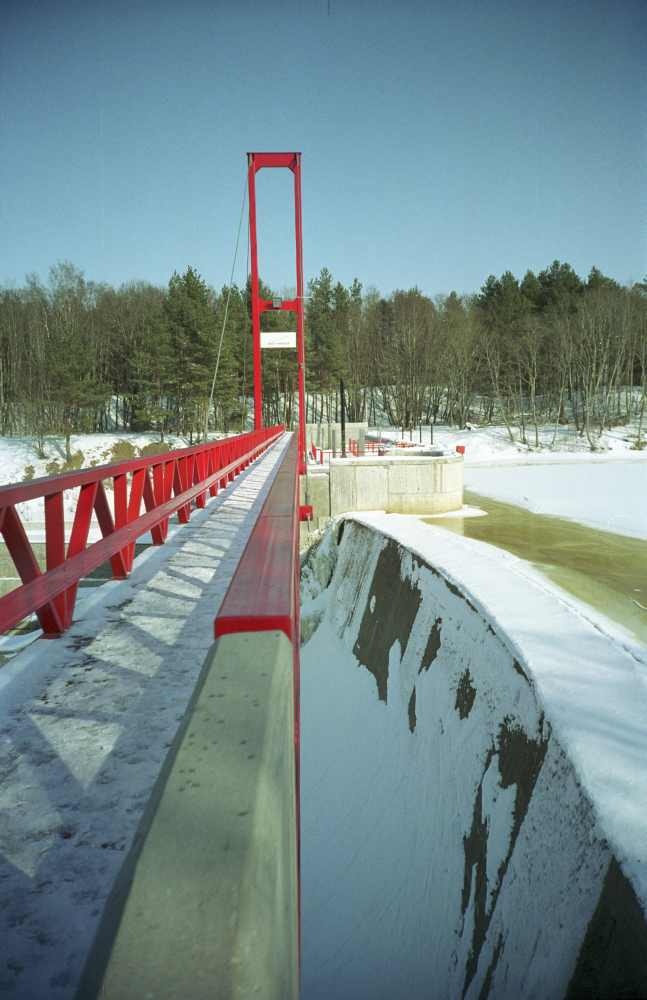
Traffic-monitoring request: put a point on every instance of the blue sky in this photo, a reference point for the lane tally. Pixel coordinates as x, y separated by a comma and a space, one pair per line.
441, 142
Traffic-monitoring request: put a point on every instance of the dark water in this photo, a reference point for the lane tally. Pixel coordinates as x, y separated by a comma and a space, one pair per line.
607, 571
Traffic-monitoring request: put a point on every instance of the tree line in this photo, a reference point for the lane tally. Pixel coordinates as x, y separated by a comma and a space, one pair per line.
79, 356
550, 348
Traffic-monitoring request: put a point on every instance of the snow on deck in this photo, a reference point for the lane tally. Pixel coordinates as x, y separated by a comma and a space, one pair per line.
85, 724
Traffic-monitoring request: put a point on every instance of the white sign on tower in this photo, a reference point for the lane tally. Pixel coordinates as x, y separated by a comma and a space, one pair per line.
277, 338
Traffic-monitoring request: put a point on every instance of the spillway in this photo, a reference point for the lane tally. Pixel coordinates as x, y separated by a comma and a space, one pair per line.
473, 790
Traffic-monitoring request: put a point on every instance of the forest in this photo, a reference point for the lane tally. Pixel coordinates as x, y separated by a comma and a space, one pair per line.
550, 348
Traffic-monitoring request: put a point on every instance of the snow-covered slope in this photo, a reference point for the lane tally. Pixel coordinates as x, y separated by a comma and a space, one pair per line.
491, 442
473, 784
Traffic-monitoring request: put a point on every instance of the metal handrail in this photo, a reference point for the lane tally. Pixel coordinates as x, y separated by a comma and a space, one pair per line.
263, 594
165, 483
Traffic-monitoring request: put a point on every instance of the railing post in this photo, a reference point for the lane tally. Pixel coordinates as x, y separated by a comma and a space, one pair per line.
55, 545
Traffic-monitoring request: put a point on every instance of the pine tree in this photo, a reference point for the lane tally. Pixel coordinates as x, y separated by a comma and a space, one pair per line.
324, 344
192, 326
75, 388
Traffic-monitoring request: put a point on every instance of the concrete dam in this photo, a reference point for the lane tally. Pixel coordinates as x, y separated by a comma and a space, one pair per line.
473, 788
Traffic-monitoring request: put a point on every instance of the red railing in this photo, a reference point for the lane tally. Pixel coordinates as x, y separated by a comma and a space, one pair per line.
167, 483
263, 594
317, 453
370, 448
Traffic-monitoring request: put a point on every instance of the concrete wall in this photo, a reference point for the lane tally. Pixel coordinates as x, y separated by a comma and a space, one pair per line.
315, 490
473, 809
398, 484
212, 908
329, 435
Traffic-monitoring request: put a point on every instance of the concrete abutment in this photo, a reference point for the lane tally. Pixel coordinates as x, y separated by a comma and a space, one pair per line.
400, 484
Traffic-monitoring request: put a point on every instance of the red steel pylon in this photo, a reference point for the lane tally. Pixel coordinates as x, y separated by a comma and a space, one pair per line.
291, 161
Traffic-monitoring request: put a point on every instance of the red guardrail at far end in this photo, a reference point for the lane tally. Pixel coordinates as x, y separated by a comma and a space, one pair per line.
263, 594
167, 483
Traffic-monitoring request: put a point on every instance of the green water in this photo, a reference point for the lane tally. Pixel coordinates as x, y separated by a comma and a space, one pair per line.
607, 571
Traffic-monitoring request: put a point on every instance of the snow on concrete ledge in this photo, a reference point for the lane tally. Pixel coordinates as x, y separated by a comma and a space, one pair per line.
474, 790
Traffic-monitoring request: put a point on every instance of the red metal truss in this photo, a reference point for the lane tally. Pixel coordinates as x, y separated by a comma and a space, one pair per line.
165, 484
291, 161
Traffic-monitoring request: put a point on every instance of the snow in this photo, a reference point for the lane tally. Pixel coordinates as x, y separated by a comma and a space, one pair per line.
19, 460
607, 496
606, 489
465, 511
85, 724
597, 698
17, 453
487, 443
389, 811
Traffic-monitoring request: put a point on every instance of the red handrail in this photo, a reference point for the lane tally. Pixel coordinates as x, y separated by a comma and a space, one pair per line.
263, 594
166, 483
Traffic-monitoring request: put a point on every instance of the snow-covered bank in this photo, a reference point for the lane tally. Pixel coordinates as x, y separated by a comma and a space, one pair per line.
488, 443
473, 784
20, 460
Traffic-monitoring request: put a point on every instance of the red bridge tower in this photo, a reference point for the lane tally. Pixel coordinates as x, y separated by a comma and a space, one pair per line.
292, 161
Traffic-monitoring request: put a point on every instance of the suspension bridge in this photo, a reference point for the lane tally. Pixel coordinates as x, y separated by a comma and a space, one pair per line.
150, 750
463, 769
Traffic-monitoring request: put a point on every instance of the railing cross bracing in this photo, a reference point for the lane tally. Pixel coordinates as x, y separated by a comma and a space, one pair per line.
166, 483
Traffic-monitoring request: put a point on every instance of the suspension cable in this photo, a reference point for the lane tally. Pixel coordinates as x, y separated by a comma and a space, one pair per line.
224, 321
243, 422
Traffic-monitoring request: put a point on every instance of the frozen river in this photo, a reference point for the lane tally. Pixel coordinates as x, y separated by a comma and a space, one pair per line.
608, 495
605, 570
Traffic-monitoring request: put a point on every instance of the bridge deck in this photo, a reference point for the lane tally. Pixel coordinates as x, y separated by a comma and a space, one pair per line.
85, 726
